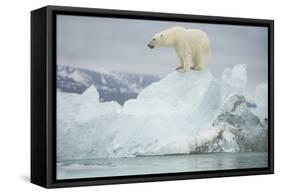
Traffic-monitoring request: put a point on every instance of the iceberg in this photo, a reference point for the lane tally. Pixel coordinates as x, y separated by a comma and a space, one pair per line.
261, 98
241, 130
76, 121
180, 114
234, 81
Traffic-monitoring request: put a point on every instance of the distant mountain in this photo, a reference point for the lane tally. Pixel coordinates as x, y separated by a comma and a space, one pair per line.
112, 86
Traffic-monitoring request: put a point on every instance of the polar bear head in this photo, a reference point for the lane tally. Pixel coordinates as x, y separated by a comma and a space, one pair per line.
156, 41
161, 39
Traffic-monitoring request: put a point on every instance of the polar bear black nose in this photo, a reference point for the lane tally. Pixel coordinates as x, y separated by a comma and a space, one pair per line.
150, 46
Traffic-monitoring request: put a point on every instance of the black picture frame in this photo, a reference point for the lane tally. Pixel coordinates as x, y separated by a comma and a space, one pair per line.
43, 96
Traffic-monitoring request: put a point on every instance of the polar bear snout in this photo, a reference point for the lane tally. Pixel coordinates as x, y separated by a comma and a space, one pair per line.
150, 46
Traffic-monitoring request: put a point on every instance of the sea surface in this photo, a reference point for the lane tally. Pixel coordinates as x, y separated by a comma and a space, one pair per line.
104, 167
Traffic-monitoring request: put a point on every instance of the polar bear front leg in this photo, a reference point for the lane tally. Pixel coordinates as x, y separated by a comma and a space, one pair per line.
183, 65
187, 62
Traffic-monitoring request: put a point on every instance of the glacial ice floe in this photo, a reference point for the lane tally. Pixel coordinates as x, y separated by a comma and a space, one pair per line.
180, 114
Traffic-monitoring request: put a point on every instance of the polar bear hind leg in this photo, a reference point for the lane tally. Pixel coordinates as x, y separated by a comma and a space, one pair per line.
199, 61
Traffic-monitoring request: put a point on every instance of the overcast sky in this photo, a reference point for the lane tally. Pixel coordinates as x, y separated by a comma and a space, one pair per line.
121, 44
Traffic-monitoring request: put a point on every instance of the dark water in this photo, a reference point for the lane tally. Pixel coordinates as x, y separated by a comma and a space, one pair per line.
159, 164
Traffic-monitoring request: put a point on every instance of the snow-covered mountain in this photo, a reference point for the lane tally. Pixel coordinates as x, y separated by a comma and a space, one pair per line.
111, 86
72, 80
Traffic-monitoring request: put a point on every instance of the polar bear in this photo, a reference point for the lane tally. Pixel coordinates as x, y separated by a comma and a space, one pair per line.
192, 46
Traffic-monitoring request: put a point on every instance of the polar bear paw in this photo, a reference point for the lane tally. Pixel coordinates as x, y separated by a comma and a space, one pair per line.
179, 68
196, 68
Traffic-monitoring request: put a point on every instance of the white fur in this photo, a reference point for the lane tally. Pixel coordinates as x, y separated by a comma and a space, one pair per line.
191, 45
